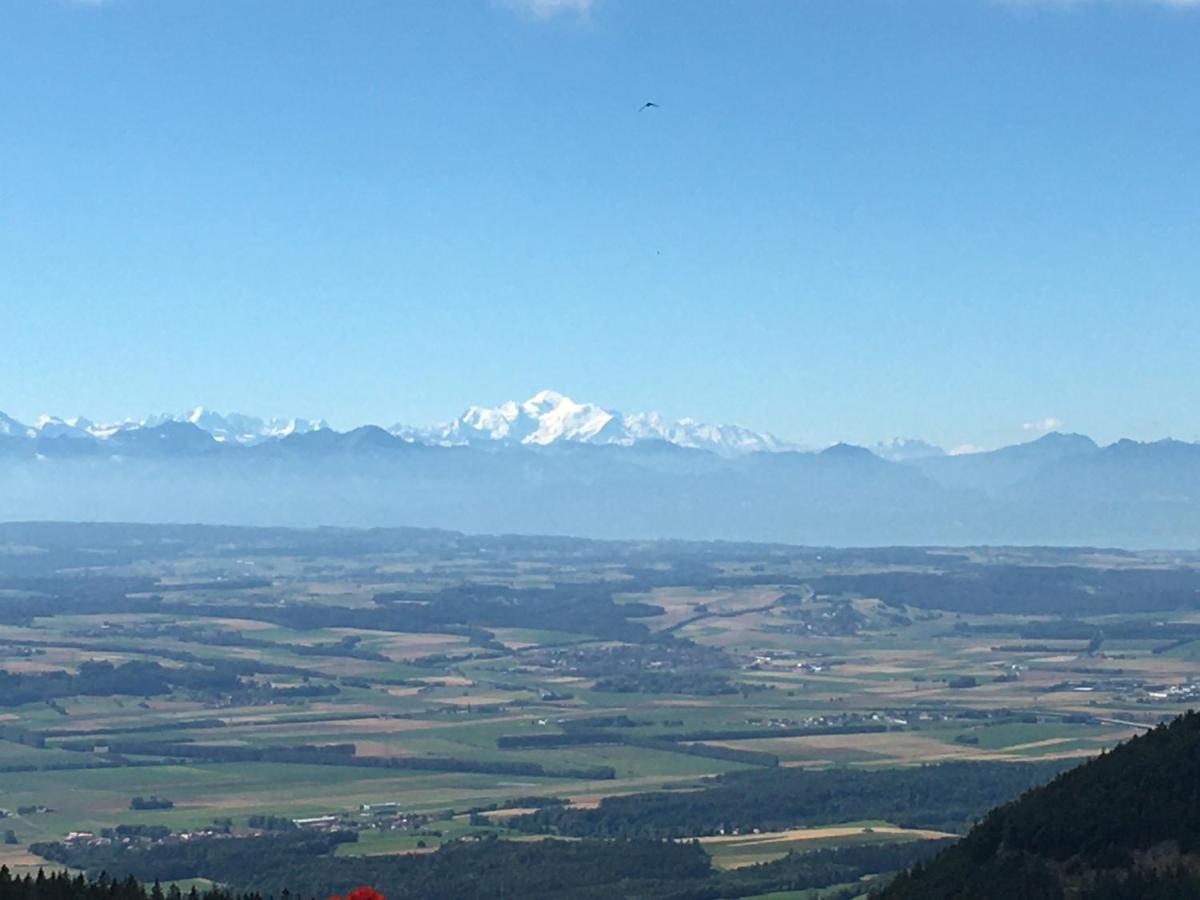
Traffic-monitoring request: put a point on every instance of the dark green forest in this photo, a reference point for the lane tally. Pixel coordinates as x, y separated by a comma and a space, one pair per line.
947, 797
1125, 825
302, 865
62, 886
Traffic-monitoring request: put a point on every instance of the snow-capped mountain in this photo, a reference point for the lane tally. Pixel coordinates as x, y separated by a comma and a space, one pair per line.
10, 427
233, 428
232, 469
549, 417
544, 418
903, 449
725, 439
236, 428
54, 427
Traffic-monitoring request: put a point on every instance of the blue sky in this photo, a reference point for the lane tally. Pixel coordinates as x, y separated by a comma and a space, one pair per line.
848, 219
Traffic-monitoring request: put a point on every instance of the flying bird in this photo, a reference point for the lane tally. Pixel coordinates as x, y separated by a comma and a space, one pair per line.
649, 104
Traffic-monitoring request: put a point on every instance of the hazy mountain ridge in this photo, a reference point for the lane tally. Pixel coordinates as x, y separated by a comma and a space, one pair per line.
996, 471
548, 417
905, 449
550, 465
545, 418
1060, 489
231, 427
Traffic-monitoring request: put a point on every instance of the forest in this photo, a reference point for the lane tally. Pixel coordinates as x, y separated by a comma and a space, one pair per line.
302, 866
1125, 825
1067, 589
947, 797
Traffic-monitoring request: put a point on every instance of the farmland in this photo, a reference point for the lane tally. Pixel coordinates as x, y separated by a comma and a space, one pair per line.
421, 688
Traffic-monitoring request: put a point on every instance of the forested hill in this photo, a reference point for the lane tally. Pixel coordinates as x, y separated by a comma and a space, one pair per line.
63, 886
1125, 825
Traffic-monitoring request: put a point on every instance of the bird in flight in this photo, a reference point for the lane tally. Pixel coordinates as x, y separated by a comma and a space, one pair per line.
649, 104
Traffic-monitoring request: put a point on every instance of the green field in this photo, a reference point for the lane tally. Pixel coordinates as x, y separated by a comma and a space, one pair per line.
424, 661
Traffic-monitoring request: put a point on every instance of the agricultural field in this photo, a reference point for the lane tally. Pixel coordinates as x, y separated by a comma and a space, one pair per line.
414, 689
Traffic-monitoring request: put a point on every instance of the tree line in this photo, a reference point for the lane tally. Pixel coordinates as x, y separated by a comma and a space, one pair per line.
303, 865
946, 797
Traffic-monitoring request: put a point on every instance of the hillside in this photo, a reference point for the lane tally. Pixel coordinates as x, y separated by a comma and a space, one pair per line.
1125, 825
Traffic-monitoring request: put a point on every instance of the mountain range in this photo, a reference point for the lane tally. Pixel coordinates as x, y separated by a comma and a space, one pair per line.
550, 465
545, 418
549, 417
232, 428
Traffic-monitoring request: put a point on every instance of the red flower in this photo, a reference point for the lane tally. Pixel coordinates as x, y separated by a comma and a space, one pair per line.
364, 893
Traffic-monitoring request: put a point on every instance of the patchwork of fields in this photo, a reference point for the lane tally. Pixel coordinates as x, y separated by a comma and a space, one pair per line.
413, 686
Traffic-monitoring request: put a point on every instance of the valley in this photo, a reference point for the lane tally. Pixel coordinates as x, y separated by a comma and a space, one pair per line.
398, 691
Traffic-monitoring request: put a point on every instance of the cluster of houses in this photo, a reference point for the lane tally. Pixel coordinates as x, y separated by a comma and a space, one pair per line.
840, 720
391, 817
1133, 689
1174, 693
90, 837
384, 816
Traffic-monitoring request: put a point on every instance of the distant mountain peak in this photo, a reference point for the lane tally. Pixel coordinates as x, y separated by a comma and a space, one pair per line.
233, 428
1066, 439
900, 449
10, 427
238, 428
550, 416
847, 451
52, 426
546, 398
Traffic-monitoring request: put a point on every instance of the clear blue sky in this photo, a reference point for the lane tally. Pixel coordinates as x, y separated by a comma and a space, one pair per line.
848, 219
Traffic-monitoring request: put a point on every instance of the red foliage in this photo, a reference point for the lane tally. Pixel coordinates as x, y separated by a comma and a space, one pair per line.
362, 893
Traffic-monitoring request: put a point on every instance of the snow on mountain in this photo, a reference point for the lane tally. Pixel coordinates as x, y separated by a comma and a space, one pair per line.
729, 440
232, 428
236, 428
902, 449
548, 417
54, 427
10, 427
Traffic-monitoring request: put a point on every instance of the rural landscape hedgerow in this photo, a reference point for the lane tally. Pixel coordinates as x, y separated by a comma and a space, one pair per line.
591, 449
439, 714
